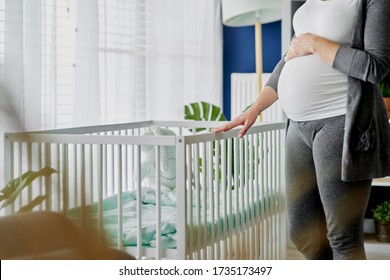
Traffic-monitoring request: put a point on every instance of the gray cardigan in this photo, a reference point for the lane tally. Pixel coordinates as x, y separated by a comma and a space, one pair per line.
366, 150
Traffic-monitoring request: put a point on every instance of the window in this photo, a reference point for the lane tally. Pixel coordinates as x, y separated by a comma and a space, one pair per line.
2, 36
123, 55
108, 61
67, 63
58, 62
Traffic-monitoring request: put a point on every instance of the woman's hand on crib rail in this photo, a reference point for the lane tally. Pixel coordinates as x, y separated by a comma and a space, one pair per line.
247, 119
265, 99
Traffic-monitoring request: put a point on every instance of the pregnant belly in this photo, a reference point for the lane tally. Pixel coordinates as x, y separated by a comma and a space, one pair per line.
311, 89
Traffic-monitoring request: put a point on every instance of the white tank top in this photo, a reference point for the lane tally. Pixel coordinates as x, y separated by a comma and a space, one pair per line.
309, 88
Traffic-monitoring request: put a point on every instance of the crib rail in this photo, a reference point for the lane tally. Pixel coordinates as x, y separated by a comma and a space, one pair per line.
229, 191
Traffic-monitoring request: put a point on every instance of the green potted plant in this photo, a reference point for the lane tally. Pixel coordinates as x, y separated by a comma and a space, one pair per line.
381, 215
385, 90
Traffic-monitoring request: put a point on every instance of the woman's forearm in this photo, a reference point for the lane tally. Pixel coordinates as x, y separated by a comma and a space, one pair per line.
265, 99
324, 49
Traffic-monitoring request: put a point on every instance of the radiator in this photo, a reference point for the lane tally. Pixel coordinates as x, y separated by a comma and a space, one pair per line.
244, 93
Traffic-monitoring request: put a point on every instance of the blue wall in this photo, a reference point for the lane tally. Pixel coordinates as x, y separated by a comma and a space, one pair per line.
239, 53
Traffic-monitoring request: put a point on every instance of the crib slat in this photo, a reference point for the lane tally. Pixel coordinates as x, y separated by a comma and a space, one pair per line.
29, 165
99, 183
229, 198
133, 164
190, 202
82, 186
241, 209
47, 185
224, 201
181, 194
139, 203
274, 212
65, 178
236, 197
120, 202
19, 167
18, 203
257, 196
280, 207
38, 186
105, 171
198, 205
267, 194
112, 171
75, 185
246, 204
58, 168
211, 200
262, 196
91, 175
252, 202
217, 168
272, 194
9, 161
204, 202
158, 203
126, 165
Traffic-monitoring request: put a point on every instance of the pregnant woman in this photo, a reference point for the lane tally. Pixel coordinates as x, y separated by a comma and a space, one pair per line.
338, 134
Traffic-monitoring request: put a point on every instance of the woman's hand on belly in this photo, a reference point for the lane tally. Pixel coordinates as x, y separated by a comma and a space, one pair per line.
300, 46
308, 43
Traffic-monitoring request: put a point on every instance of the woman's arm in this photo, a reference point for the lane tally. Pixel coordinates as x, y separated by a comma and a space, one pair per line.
371, 64
265, 99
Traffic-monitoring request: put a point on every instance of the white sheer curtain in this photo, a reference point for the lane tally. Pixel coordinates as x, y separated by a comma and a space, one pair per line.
186, 57
86, 98
69, 63
154, 57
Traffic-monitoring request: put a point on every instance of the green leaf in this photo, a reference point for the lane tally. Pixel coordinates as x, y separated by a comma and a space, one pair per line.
382, 212
37, 201
385, 89
203, 111
12, 190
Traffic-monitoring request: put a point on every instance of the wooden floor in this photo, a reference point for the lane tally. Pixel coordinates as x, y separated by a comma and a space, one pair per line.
375, 250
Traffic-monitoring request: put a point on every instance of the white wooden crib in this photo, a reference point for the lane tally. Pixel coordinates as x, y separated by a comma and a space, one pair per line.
226, 201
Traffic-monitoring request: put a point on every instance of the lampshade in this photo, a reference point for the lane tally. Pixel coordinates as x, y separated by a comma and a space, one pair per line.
248, 12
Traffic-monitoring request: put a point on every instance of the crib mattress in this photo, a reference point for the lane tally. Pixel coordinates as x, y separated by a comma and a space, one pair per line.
149, 220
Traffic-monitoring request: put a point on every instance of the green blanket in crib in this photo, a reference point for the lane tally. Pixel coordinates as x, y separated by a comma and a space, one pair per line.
149, 220
129, 214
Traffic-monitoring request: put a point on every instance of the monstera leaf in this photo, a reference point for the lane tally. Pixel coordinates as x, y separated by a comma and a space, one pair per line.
203, 111
12, 190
